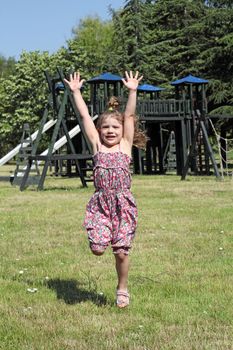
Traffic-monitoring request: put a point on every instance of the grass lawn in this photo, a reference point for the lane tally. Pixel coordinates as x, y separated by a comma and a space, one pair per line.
55, 295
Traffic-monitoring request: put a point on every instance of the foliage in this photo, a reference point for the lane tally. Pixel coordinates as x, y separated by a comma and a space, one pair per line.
163, 39
179, 38
217, 56
130, 37
23, 96
220, 3
7, 66
90, 48
174, 37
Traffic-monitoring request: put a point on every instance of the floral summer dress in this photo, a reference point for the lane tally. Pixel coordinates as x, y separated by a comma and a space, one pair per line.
111, 214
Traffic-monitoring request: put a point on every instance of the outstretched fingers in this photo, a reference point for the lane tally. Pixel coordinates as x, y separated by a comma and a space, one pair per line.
127, 75
136, 76
74, 82
130, 76
77, 76
140, 78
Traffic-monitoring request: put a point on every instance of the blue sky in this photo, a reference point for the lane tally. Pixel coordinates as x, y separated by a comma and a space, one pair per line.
45, 25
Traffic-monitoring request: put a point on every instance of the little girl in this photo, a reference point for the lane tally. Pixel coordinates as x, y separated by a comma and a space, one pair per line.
111, 215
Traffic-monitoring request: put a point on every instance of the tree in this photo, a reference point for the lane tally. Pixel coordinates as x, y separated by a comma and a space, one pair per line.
163, 39
90, 50
6, 66
217, 55
219, 3
175, 37
129, 36
23, 97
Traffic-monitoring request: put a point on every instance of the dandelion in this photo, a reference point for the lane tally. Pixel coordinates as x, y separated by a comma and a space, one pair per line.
26, 309
32, 290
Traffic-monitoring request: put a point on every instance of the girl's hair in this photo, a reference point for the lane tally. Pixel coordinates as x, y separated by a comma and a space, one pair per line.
140, 137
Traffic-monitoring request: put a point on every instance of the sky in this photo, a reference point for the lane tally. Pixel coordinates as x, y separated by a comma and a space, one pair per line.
45, 25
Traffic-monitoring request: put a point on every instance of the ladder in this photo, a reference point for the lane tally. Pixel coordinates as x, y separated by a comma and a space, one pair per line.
171, 155
25, 150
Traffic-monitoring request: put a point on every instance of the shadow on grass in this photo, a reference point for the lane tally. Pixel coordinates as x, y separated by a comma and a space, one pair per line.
69, 291
63, 188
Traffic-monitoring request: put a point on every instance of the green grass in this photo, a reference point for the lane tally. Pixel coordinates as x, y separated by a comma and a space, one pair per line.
181, 279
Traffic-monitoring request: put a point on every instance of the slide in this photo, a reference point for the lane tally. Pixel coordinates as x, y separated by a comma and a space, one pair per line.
61, 142
15, 151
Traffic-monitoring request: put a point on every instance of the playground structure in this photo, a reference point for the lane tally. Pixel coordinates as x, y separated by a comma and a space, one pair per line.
184, 117
177, 129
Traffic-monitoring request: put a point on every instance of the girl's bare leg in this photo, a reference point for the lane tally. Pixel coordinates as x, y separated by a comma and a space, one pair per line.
122, 268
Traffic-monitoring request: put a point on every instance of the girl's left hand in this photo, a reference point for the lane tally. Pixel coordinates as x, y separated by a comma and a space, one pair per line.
131, 82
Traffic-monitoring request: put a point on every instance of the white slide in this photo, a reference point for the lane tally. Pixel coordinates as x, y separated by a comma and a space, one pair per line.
15, 151
61, 142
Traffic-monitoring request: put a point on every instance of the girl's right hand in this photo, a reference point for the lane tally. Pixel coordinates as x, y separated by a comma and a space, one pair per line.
74, 83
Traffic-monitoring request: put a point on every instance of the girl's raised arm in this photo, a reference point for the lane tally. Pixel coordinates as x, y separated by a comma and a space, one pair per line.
131, 82
75, 84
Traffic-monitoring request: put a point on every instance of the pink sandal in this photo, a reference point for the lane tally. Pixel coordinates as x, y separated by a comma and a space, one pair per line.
122, 298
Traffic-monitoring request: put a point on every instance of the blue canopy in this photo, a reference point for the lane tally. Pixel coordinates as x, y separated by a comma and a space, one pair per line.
59, 86
190, 79
105, 77
149, 88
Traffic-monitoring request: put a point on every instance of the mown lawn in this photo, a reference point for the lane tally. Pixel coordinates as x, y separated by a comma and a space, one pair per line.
55, 295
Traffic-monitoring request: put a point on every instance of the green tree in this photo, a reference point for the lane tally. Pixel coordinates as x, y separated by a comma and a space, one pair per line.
90, 49
163, 39
175, 36
219, 3
7, 66
23, 96
130, 36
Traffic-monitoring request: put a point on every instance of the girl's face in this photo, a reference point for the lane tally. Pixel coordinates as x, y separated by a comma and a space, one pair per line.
111, 131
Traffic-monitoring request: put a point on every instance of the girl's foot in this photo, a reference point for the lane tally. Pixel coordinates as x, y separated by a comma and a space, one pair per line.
122, 298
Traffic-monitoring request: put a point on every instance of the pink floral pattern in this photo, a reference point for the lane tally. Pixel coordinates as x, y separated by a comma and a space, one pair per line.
111, 214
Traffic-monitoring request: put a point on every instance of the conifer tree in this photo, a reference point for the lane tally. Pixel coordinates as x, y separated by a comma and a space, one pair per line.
129, 36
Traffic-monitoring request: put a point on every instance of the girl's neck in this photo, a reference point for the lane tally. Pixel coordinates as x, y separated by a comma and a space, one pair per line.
109, 149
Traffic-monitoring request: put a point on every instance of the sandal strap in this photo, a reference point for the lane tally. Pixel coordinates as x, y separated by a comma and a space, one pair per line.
122, 298
123, 294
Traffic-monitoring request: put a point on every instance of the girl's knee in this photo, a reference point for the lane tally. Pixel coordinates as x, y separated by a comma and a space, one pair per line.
97, 252
121, 256
121, 252
97, 249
